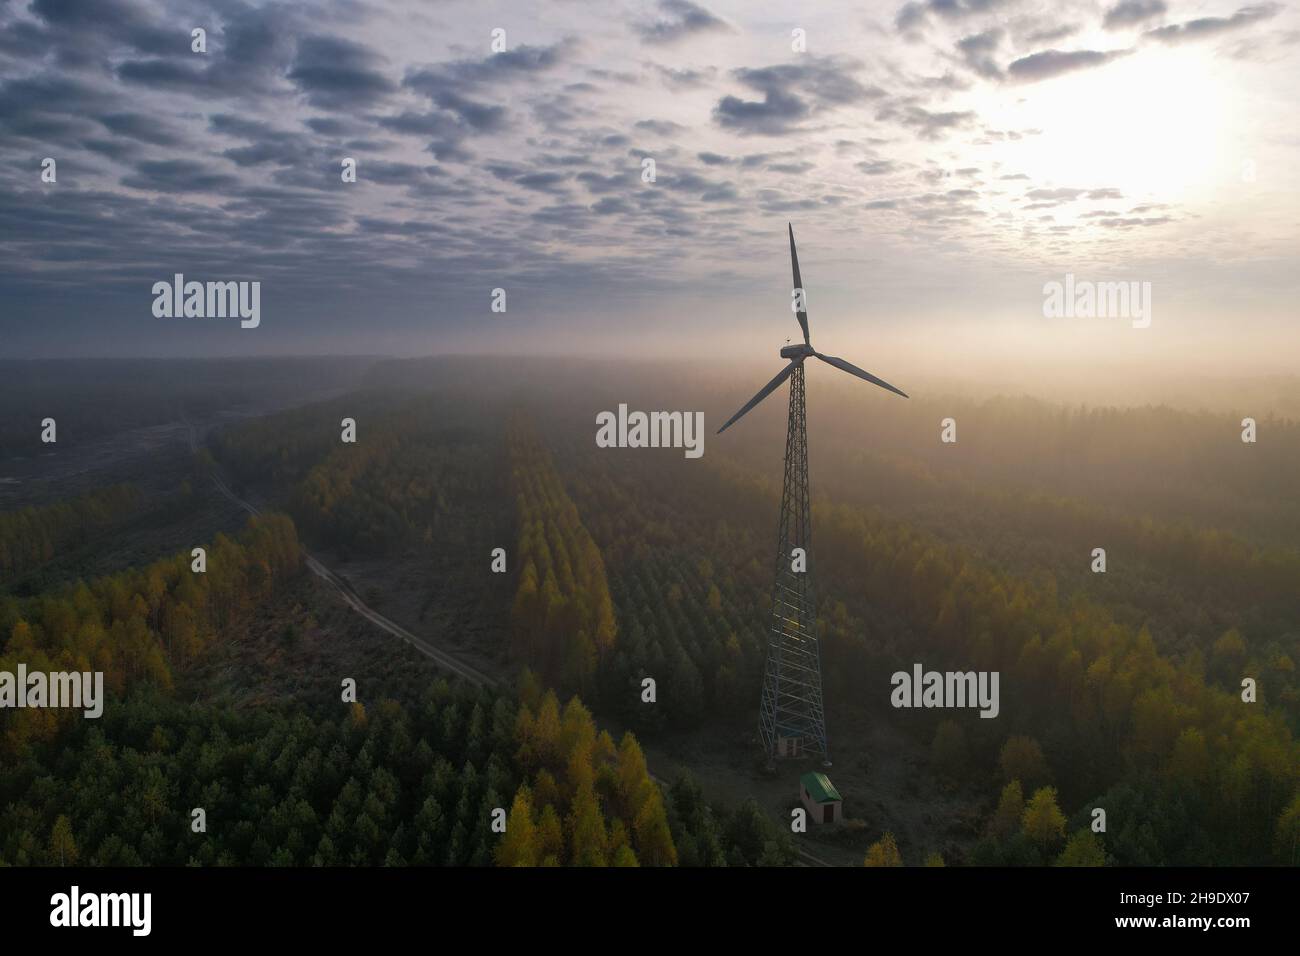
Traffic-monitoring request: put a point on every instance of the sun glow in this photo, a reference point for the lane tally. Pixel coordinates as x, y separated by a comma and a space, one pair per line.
1154, 125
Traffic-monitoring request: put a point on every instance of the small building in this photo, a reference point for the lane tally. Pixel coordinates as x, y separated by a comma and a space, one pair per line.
824, 803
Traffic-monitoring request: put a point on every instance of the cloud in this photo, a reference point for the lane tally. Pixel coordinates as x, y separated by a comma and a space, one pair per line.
456, 89
482, 117
909, 17
1052, 34
22, 38
978, 49
793, 168
927, 124
683, 19
520, 61
912, 15
792, 92
1055, 194
547, 182
113, 149
1045, 198
1125, 223
336, 73
1128, 12
826, 81
165, 73
775, 114
227, 163
93, 24
539, 180
661, 127
684, 78
444, 131
393, 174
1206, 27
51, 108
248, 56
146, 129
178, 176
602, 184
609, 206
1051, 63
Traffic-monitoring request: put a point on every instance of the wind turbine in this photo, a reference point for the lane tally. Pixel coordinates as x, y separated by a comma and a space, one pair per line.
791, 718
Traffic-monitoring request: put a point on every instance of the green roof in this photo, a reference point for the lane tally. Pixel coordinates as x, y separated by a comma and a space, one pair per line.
819, 787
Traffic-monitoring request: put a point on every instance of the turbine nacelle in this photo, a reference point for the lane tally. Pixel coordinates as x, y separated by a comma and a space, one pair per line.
795, 354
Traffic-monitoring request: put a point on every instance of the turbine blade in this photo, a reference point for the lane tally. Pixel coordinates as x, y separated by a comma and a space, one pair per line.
854, 370
802, 315
765, 391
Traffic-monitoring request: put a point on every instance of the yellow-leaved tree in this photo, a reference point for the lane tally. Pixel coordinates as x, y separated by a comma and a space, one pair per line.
884, 852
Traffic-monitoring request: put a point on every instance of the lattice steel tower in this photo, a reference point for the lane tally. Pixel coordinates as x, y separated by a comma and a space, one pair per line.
791, 719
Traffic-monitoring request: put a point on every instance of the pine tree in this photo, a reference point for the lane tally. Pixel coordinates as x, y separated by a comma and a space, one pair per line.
589, 839
654, 839
1011, 807
633, 776
518, 846
623, 856
1287, 835
1043, 821
1084, 849
62, 846
1022, 759
550, 835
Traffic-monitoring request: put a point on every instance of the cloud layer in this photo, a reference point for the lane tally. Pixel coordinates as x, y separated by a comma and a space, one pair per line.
595, 163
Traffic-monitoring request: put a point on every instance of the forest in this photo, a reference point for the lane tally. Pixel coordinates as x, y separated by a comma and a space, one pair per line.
412, 782
1112, 720
91, 399
391, 491
31, 537
1126, 687
388, 785
143, 626
562, 615
1122, 692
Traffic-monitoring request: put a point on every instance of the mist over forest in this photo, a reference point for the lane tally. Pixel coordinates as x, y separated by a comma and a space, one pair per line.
1118, 689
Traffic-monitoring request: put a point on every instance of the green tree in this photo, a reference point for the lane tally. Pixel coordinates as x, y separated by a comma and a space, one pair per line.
1287, 838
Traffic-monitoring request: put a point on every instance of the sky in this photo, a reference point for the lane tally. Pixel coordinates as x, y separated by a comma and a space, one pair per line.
940, 161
